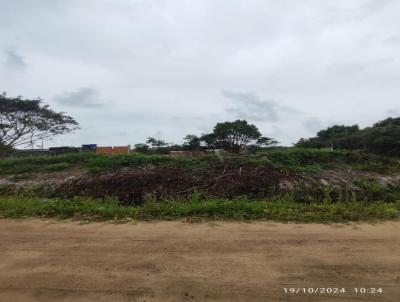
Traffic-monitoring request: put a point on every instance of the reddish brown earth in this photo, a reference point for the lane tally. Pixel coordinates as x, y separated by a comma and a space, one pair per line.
45, 260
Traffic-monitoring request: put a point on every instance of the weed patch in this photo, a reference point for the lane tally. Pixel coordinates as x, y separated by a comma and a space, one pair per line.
293, 159
239, 209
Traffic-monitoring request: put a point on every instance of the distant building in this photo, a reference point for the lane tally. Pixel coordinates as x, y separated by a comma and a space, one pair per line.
109, 150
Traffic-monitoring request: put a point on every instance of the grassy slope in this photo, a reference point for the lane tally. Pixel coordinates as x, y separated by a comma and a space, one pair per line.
300, 160
284, 209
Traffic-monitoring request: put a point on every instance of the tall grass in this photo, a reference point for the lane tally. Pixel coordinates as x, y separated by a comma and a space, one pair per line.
240, 209
97, 162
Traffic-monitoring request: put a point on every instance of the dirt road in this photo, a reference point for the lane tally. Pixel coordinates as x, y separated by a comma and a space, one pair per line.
211, 261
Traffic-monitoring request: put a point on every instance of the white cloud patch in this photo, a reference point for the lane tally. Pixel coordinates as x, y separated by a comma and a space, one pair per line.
393, 112
249, 106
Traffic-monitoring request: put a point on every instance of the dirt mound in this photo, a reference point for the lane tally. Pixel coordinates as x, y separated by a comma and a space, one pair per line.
135, 185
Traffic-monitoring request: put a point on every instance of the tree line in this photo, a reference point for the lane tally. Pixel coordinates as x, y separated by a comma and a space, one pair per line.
233, 136
382, 138
25, 122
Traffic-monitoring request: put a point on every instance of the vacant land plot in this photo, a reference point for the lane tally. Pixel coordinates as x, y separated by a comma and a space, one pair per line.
46, 260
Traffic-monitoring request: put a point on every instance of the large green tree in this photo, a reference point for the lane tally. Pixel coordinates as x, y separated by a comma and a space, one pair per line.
192, 142
24, 121
235, 135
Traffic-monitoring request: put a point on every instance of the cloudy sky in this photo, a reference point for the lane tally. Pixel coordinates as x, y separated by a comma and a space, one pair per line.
128, 69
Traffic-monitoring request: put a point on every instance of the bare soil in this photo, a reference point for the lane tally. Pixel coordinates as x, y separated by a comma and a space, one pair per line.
47, 260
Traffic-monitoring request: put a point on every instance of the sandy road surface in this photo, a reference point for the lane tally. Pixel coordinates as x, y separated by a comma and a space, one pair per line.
211, 261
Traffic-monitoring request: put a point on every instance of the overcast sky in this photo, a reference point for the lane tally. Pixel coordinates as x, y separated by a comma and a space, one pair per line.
128, 69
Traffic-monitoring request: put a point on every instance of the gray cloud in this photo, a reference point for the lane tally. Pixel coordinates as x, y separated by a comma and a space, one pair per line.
13, 60
375, 6
249, 106
84, 97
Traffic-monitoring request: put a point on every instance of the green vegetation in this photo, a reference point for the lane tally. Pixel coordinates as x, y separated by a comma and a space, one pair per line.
371, 190
382, 138
294, 159
314, 160
4, 150
240, 209
236, 135
201, 172
313, 202
44, 163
